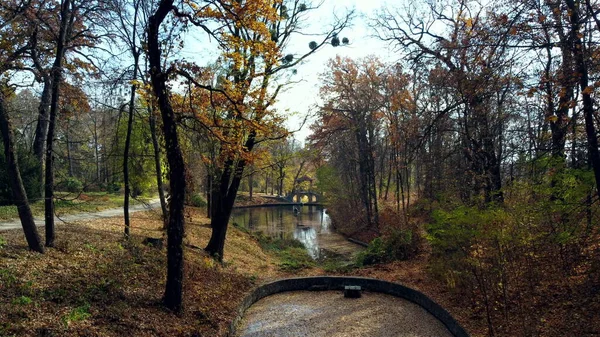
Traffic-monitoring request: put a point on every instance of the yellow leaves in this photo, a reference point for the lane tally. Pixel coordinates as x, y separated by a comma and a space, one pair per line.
469, 23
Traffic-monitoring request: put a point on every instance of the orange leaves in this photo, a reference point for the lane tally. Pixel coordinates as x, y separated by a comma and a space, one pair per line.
588, 90
73, 100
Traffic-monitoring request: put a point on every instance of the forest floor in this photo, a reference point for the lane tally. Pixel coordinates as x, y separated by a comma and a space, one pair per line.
96, 284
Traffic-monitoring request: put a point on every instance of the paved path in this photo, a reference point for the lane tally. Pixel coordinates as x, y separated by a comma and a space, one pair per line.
329, 314
107, 213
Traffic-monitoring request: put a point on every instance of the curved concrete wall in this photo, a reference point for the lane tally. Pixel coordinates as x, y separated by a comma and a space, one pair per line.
338, 283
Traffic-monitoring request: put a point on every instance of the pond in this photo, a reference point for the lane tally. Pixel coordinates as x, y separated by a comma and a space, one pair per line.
308, 224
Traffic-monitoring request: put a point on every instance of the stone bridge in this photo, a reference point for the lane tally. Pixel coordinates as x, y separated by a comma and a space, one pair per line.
298, 196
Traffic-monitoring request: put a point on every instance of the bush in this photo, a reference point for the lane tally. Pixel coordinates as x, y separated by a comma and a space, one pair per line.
113, 188
197, 200
71, 184
276, 244
398, 245
294, 258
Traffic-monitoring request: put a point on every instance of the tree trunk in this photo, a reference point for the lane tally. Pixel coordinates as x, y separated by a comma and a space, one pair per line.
224, 201
209, 189
16, 183
175, 230
96, 153
157, 165
69, 158
136, 57
41, 129
135, 52
588, 104
250, 183
65, 21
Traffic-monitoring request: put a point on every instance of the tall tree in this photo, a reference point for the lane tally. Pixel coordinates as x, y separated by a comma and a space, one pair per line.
353, 92
473, 48
66, 21
175, 229
253, 40
15, 46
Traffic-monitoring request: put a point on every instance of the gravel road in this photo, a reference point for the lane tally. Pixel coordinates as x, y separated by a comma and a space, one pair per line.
107, 213
328, 313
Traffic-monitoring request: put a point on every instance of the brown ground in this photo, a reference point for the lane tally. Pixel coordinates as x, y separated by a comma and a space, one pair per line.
95, 284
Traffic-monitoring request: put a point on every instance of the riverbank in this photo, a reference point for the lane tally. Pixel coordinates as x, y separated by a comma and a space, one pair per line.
258, 199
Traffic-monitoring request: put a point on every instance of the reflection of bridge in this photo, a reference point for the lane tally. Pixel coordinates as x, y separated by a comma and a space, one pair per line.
298, 196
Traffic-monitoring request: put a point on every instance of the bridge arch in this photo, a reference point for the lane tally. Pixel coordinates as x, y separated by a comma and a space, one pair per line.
304, 197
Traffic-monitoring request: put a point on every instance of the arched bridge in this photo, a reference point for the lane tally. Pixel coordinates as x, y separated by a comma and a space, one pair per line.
299, 196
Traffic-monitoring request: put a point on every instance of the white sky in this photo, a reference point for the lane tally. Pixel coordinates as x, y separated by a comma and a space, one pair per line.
304, 96
299, 98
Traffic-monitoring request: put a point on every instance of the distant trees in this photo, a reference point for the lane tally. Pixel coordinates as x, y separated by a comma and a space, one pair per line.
488, 127
354, 96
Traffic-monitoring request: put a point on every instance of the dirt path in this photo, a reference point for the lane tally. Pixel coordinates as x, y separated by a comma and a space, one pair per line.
107, 213
328, 313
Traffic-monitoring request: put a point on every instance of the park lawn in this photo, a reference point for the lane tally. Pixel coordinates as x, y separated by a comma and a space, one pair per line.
96, 284
70, 203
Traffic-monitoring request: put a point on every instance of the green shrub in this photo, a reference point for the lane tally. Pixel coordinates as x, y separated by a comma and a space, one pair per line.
277, 244
291, 252
197, 200
22, 300
78, 314
113, 188
71, 184
398, 245
295, 258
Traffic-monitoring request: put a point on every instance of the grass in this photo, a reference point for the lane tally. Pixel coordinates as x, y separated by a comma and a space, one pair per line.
294, 258
79, 313
22, 300
70, 203
291, 252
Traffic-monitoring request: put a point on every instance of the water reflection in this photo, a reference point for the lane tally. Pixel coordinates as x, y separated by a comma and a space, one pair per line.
282, 222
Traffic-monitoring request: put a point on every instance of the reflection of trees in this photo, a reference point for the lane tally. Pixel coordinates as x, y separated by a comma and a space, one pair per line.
280, 222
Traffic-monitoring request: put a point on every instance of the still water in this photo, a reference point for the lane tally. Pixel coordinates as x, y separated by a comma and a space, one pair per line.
309, 224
